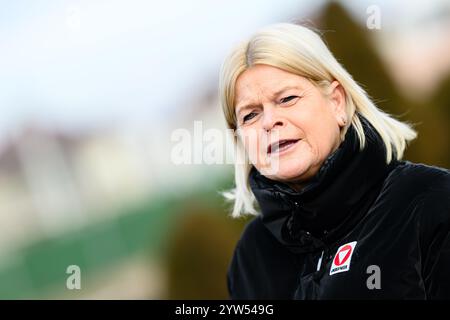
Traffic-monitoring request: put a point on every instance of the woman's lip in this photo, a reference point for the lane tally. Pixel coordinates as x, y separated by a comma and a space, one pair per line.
289, 145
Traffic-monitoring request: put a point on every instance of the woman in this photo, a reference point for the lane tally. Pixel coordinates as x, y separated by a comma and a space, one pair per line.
340, 215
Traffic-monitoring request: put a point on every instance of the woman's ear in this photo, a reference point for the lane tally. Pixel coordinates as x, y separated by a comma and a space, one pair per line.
338, 101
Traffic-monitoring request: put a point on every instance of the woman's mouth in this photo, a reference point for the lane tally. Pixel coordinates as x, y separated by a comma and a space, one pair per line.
281, 146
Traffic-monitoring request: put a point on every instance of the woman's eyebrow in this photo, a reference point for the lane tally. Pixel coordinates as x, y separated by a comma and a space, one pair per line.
276, 93
247, 106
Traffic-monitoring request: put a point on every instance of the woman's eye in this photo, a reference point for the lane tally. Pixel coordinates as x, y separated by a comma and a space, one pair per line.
287, 99
249, 116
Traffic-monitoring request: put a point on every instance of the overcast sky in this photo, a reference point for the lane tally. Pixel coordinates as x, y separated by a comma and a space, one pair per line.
83, 63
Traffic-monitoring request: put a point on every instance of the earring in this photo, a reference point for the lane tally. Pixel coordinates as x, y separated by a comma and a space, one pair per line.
344, 120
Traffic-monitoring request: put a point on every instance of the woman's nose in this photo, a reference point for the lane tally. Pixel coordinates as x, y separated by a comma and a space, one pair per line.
271, 119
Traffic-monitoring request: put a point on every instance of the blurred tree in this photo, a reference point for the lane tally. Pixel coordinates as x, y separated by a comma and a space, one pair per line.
351, 44
200, 251
441, 99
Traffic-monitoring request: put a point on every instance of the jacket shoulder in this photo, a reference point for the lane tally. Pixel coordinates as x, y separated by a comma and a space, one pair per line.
420, 190
253, 231
425, 190
257, 255
256, 238
414, 180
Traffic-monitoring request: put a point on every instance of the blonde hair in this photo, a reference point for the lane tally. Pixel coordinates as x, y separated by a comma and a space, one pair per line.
301, 51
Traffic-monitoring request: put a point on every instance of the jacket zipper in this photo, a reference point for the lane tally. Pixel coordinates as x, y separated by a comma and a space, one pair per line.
319, 263
325, 250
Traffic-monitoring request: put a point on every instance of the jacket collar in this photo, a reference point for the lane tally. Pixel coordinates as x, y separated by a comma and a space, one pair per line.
332, 202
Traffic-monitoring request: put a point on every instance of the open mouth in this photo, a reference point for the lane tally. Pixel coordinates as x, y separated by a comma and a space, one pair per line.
281, 145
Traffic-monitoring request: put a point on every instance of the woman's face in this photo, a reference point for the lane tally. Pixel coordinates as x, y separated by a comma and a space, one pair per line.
288, 126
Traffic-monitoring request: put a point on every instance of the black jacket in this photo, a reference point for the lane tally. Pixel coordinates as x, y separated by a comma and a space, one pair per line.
361, 229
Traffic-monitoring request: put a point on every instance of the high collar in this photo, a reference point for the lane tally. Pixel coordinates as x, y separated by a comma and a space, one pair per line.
332, 202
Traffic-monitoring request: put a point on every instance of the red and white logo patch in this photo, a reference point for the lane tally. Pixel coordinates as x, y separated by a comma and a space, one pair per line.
341, 261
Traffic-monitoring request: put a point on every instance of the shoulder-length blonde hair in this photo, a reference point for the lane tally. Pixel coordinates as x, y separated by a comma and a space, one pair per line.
301, 51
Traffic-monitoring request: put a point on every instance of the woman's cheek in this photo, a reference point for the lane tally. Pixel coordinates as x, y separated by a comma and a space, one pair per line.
252, 146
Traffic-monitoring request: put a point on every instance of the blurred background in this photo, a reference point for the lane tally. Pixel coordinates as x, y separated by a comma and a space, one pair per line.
91, 93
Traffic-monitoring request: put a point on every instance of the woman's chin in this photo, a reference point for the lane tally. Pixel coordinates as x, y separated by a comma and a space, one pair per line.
286, 172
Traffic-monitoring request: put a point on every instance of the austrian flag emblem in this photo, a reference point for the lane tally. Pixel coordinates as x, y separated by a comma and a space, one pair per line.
342, 258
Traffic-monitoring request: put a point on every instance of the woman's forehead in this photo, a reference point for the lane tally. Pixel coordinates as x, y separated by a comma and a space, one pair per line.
266, 82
